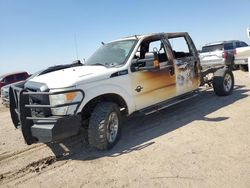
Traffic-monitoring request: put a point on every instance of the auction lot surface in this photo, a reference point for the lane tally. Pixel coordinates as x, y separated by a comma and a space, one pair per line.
203, 142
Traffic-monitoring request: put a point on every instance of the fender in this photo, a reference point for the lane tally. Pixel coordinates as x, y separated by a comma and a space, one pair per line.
99, 90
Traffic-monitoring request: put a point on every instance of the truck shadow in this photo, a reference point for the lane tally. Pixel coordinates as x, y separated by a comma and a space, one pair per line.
139, 131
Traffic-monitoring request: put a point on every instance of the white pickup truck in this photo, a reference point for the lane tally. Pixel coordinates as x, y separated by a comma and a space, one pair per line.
141, 73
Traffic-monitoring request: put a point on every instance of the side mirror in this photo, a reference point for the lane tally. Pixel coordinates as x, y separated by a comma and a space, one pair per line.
149, 63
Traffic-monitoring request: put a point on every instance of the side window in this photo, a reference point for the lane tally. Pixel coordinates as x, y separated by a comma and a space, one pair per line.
20, 77
180, 47
238, 44
228, 46
152, 46
243, 44
9, 78
158, 46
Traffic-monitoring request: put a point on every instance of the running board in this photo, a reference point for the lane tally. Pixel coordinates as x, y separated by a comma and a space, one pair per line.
171, 102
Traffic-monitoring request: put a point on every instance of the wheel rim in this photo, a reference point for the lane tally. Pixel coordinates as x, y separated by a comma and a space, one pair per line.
227, 82
112, 127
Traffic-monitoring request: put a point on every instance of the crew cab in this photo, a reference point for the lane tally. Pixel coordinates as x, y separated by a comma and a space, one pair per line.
140, 73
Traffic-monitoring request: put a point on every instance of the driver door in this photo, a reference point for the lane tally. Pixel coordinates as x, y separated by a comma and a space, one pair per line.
152, 87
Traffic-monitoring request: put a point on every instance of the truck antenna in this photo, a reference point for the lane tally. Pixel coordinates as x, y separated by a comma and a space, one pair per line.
76, 47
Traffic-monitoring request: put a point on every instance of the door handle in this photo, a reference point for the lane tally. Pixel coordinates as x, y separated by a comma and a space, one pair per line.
138, 88
171, 70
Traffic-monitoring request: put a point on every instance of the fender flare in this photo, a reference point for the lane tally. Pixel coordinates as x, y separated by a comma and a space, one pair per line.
97, 91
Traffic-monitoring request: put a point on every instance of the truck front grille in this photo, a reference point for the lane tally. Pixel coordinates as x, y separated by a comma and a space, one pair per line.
39, 100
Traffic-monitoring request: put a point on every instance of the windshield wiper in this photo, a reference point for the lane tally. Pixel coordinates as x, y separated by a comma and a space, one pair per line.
97, 64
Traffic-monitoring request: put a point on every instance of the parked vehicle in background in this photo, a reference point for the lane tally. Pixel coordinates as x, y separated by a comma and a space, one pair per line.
5, 95
222, 53
10, 78
241, 57
5, 89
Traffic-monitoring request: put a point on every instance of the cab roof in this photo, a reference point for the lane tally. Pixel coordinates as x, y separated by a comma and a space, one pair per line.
220, 42
143, 36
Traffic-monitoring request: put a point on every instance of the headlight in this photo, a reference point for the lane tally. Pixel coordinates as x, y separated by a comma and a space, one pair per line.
61, 99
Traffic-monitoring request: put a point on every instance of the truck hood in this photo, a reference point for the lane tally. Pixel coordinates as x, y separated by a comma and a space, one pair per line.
73, 76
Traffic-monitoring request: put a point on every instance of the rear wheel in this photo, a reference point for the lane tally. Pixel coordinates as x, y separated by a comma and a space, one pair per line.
244, 68
104, 126
223, 82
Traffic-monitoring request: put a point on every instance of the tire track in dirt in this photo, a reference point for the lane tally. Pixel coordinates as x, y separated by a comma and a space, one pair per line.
8, 155
36, 159
36, 166
23, 162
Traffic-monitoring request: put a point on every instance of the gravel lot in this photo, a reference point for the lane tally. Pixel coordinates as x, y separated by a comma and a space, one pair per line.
203, 142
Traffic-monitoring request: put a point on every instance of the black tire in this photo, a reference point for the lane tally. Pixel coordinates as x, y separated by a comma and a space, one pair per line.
244, 68
100, 125
223, 82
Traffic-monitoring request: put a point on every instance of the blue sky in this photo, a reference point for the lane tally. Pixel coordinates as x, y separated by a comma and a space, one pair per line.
35, 34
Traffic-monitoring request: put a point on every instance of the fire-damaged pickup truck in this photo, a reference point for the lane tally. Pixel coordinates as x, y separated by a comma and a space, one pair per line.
141, 73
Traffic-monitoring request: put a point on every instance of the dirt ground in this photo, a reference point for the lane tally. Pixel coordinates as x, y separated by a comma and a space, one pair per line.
203, 142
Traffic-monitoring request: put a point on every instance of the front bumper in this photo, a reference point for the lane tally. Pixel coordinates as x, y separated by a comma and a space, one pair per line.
49, 131
42, 128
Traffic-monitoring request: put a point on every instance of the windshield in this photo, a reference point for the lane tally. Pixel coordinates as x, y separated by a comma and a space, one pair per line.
212, 48
112, 54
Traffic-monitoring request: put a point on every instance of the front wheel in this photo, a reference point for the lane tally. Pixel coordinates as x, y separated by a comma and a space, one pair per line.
104, 126
223, 82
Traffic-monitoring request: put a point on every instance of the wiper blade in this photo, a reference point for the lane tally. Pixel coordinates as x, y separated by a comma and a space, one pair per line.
98, 64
